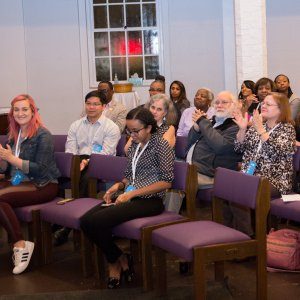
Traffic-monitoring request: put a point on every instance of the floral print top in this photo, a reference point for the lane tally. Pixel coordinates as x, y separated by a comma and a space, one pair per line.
275, 158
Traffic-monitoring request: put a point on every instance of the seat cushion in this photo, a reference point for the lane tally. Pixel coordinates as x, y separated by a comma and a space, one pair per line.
288, 210
132, 229
180, 239
24, 213
68, 214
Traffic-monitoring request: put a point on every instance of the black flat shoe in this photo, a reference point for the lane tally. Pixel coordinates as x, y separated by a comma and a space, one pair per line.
129, 273
61, 236
113, 283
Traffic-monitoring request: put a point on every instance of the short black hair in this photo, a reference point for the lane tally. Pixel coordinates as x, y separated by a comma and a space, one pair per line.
100, 95
107, 82
144, 116
160, 78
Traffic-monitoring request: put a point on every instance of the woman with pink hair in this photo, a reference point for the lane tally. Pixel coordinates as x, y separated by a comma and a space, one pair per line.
28, 160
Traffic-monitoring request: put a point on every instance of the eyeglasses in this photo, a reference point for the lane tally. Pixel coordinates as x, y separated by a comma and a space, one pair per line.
268, 104
217, 102
136, 131
93, 104
155, 90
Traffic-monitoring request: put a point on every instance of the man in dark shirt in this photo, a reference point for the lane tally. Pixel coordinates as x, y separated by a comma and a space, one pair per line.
211, 142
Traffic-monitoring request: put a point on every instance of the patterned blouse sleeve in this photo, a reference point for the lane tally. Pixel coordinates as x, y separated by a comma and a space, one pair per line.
166, 157
128, 170
283, 140
241, 147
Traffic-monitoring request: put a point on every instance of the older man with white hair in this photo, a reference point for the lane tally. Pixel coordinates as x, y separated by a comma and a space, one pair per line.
211, 142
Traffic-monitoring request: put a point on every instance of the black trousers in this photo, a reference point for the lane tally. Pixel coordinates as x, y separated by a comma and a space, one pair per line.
97, 223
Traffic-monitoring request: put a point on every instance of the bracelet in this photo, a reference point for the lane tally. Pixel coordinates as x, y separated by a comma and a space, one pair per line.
122, 189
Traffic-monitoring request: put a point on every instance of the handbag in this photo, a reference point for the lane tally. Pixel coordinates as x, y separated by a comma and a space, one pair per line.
283, 250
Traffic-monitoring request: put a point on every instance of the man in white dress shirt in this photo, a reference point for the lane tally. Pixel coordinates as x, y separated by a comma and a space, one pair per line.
94, 133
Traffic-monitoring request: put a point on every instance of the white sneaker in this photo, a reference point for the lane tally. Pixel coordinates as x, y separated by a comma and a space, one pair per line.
22, 256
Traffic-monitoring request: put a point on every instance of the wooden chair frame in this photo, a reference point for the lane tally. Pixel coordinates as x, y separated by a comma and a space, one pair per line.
219, 253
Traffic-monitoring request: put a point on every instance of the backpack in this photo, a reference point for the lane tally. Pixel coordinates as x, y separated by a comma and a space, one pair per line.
283, 250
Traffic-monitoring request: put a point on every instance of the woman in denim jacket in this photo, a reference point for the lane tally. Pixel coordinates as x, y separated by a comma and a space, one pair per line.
29, 160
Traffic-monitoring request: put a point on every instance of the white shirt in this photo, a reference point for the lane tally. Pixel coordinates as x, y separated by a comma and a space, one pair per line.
84, 135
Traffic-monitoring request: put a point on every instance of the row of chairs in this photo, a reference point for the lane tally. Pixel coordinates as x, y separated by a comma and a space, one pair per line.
59, 141
198, 241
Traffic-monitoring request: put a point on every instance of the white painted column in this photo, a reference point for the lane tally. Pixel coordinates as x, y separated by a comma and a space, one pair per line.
251, 40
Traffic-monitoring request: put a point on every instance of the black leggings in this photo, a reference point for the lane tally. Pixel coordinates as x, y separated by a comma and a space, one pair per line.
97, 223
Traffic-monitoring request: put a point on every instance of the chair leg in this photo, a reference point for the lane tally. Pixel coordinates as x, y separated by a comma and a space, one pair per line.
219, 270
86, 250
100, 265
261, 277
161, 272
37, 237
199, 274
146, 249
47, 241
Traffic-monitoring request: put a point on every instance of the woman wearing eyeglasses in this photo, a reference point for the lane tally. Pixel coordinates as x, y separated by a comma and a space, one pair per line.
148, 174
164, 113
268, 146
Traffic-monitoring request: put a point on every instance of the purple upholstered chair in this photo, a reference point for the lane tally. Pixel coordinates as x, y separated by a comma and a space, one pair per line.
110, 168
68, 164
121, 144
185, 180
203, 242
288, 210
59, 141
180, 147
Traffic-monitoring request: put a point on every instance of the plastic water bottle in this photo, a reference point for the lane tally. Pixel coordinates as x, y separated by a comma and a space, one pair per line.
251, 167
116, 80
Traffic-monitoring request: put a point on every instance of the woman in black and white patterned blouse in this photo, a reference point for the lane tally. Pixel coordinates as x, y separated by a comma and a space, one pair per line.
148, 174
269, 144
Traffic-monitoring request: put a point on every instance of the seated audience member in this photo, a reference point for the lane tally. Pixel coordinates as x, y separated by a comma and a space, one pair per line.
164, 113
157, 87
29, 159
178, 96
283, 86
93, 133
262, 88
148, 174
202, 101
211, 142
247, 96
268, 148
114, 110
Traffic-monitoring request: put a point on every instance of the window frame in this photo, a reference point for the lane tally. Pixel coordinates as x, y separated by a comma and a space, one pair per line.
93, 83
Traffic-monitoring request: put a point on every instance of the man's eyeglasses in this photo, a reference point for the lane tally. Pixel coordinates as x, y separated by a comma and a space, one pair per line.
217, 102
155, 90
135, 131
93, 104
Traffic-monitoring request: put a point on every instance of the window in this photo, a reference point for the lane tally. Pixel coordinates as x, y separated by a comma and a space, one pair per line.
123, 39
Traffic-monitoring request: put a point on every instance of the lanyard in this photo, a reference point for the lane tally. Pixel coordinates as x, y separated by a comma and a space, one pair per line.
18, 145
260, 142
135, 159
